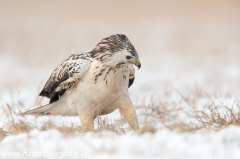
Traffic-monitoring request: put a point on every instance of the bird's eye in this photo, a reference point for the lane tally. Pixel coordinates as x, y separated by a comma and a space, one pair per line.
128, 57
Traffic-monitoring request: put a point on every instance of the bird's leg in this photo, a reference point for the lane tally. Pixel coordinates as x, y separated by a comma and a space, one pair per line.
87, 122
128, 111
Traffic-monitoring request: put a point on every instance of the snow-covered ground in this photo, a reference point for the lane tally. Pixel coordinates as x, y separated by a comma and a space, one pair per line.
163, 144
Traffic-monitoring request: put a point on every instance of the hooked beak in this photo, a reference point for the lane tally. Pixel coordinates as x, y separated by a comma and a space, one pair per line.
138, 64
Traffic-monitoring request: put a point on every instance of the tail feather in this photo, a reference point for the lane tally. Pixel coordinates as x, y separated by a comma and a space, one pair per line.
56, 108
43, 110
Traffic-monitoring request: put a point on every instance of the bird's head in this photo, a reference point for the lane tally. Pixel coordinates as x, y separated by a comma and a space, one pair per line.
116, 49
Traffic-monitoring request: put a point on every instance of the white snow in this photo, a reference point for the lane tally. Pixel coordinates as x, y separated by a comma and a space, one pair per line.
164, 144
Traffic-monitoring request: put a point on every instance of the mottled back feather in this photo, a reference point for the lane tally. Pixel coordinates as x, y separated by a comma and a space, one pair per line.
67, 74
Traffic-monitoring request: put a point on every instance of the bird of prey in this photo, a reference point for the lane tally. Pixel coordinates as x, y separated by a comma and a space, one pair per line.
93, 83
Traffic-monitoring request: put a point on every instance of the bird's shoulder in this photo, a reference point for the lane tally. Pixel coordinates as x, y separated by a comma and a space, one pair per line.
67, 73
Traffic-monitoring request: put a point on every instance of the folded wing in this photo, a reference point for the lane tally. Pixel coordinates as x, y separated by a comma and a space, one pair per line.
131, 76
66, 76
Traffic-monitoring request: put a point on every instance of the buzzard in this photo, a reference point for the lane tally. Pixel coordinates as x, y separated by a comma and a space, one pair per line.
93, 83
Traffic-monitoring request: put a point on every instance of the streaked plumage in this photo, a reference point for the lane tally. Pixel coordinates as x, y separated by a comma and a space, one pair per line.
93, 83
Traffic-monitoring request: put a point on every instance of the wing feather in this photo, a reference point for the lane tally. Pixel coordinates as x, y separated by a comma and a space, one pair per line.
131, 76
66, 75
